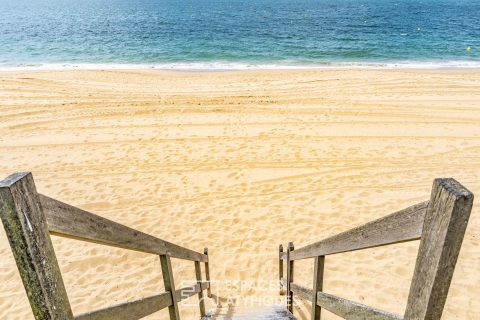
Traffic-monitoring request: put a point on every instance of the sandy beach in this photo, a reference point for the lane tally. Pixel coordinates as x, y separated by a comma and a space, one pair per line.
240, 162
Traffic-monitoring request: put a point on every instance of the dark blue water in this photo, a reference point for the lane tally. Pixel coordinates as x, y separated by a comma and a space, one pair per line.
234, 33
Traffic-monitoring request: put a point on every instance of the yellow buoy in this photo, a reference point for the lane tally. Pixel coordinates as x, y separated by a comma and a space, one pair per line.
418, 29
469, 49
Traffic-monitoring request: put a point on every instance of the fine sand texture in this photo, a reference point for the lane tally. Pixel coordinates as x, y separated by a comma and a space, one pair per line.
241, 162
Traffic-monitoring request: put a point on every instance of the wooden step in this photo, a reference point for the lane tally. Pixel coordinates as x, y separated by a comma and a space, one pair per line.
251, 313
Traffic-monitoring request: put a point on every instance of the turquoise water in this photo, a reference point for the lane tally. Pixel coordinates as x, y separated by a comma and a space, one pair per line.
203, 34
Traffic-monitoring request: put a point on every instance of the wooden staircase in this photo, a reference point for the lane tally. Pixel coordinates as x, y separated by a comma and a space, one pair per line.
30, 218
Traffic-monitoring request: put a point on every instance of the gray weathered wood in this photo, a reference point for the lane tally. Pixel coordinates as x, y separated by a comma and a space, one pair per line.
280, 267
301, 291
352, 310
290, 267
169, 284
201, 302
187, 292
207, 272
404, 225
342, 307
318, 268
26, 230
130, 310
142, 307
68, 221
205, 285
443, 231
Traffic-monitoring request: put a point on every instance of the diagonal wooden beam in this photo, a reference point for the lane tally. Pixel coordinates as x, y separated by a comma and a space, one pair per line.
352, 310
68, 221
404, 225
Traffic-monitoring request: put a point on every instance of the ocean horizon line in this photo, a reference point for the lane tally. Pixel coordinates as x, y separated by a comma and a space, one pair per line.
238, 66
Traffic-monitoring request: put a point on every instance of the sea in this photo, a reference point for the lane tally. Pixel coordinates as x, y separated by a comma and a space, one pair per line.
239, 34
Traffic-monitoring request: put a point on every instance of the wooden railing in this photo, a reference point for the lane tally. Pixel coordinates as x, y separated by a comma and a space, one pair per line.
30, 218
440, 225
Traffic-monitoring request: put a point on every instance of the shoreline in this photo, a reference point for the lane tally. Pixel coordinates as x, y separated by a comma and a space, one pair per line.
244, 66
238, 72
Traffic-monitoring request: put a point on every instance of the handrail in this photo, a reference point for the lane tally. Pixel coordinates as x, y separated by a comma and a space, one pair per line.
439, 223
401, 226
71, 222
342, 307
143, 307
345, 308
131, 310
29, 219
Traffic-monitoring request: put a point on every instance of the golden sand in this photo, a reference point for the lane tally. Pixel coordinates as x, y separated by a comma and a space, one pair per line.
240, 162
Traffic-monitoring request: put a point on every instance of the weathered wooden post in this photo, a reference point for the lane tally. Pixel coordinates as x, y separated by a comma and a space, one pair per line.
170, 286
443, 230
27, 232
201, 302
317, 285
289, 277
280, 267
207, 273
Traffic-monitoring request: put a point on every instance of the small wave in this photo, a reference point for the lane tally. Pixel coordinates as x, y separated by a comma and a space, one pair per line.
227, 66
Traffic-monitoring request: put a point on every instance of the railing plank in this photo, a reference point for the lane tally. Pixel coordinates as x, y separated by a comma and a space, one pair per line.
343, 307
445, 225
352, 310
187, 292
71, 222
143, 307
131, 310
305, 293
401, 226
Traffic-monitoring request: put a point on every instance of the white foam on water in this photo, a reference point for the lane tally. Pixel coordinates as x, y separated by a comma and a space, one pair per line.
226, 66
